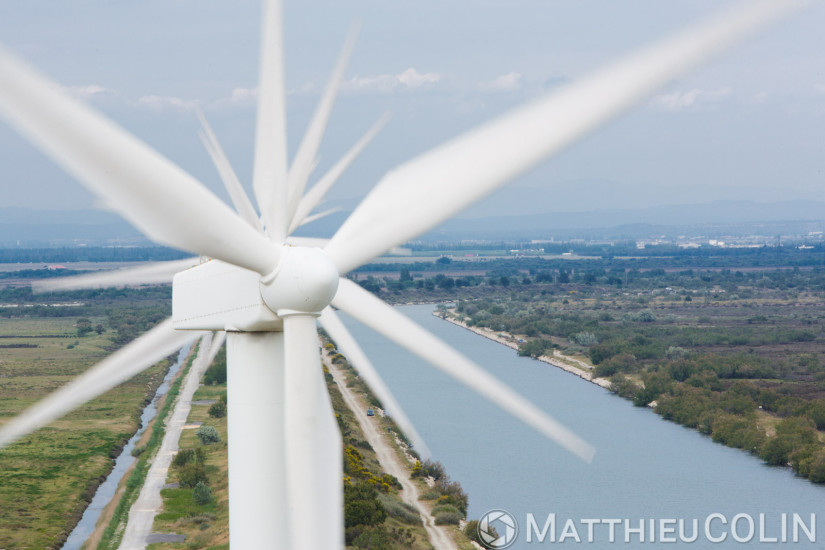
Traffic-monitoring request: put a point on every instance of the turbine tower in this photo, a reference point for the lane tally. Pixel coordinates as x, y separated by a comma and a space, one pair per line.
268, 290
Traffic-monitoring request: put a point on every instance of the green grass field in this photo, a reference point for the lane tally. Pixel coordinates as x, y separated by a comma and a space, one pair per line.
48, 478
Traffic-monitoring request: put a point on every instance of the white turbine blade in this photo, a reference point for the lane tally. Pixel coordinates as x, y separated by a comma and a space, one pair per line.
317, 242
386, 320
155, 195
230, 180
269, 178
319, 215
125, 363
151, 274
355, 355
311, 242
317, 192
312, 441
424, 192
217, 342
308, 150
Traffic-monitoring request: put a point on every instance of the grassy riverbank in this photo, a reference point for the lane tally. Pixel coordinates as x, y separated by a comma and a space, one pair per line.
423, 498
391, 524
110, 538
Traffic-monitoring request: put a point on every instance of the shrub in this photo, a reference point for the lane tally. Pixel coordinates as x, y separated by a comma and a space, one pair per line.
217, 410
191, 474
534, 347
184, 457
642, 316
602, 352
363, 444
445, 508
676, 352
452, 493
737, 431
202, 494
471, 530
403, 512
216, 373
361, 508
448, 518
84, 327
810, 462
585, 338
792, 434
374, 538
816, 412
189, 456
432, 469
623, 386
623, 362
391, 481
208, 434
199, 519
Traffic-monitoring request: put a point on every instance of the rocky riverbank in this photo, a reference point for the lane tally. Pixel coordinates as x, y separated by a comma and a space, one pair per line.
564, 362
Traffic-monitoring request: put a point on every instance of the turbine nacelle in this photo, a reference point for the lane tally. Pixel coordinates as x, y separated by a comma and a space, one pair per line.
305, 281
216, 295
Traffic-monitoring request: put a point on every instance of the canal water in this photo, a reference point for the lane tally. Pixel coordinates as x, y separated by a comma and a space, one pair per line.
646, 469
107, 489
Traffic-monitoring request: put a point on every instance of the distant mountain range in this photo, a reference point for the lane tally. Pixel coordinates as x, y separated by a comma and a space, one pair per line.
595, 195
30, 228
713, 219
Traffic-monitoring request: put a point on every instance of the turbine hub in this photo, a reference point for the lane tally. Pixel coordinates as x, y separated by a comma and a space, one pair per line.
305, 281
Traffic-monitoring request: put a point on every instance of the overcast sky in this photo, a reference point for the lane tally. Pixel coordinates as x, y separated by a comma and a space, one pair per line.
751, 123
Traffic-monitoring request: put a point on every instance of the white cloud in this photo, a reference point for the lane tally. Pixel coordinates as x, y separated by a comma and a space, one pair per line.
89, 91
162, 102
509, 82
414, 79
243, 95
820, 88
408, 80
308, 88
678, 101
239, 97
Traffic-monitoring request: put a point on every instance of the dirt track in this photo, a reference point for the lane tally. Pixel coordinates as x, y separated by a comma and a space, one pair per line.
389, 460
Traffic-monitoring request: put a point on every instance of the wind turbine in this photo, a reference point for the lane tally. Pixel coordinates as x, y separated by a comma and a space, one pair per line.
267, 290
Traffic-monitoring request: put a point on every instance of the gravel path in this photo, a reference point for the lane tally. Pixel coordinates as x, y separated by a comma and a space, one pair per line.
148, 504
389, 460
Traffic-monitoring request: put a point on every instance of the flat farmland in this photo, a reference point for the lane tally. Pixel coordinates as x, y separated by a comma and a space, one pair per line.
48, 478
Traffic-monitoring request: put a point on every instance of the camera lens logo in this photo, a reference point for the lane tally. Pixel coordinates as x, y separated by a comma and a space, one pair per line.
497, 529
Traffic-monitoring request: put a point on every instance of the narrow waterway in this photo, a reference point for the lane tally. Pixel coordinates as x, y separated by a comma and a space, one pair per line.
646, 469
107, 489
